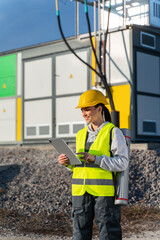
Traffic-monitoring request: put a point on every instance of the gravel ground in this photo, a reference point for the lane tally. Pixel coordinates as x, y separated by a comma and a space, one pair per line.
145, 236
35, 195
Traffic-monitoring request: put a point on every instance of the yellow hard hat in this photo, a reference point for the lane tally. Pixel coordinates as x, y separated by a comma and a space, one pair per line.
91, 98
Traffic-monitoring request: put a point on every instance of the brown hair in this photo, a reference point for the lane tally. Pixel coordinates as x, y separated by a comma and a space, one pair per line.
105, 112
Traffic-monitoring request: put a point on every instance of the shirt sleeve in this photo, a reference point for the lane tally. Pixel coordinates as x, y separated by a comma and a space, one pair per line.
119, 160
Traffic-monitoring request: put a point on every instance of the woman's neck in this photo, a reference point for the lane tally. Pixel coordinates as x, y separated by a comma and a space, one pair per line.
96, 125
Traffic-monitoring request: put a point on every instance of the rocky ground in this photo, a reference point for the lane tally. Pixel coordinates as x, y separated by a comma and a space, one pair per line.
35, 192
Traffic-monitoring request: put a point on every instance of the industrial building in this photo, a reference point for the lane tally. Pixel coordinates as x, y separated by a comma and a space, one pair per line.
40, 85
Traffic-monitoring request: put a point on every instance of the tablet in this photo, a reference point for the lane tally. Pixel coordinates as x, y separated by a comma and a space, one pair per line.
61, 147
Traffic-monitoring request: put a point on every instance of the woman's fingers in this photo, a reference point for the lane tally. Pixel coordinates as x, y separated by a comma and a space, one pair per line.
86, 156
63, 159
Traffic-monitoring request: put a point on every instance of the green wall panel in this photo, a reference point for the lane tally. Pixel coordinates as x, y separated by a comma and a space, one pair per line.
8, 75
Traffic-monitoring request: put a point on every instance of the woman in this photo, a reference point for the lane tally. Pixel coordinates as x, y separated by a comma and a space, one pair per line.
102, 149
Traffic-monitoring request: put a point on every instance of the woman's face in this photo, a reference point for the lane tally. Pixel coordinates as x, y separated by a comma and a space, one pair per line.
91, 114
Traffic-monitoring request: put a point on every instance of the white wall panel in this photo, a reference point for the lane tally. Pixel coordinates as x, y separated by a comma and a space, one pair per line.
38, 78
71, 73
65, 110
38, 119
8, 120
67, 117
148, 111
118, 64
148, 74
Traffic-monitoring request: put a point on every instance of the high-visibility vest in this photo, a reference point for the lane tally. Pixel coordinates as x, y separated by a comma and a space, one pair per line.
90, 177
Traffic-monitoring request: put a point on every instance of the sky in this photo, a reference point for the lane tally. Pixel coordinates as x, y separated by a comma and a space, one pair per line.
29, 22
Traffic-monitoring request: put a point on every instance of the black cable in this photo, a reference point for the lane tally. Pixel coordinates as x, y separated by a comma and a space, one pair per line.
103, 76
100, 49
93, 49
60, 28
105, 41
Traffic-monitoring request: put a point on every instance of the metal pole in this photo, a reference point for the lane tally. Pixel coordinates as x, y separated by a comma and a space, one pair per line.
103, 40
99, 33
77, 18
95, 35
124, 12
95, 24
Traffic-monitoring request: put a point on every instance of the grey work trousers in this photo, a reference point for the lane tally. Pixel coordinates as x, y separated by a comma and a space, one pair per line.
107, 215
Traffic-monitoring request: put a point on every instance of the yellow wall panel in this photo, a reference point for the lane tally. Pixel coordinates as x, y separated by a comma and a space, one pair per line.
94, 62
122, 100
19, 118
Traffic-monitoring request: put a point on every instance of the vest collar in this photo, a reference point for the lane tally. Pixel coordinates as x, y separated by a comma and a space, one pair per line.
90, 130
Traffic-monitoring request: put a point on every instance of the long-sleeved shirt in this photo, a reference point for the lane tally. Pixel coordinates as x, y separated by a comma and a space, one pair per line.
119, 160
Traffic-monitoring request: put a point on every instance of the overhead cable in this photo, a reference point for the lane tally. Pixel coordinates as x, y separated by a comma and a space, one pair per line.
103, 76
67, 44
100, 73
105, 40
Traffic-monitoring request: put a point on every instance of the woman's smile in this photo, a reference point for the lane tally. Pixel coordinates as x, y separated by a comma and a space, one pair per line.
92, 115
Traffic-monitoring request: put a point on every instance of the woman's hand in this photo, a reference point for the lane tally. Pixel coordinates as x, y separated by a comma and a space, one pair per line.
63, 159
87, 156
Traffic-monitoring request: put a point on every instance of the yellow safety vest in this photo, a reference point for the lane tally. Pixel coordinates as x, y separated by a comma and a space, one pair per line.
90, 177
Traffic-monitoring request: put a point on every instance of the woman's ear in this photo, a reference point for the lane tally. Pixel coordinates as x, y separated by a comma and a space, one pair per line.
100, 109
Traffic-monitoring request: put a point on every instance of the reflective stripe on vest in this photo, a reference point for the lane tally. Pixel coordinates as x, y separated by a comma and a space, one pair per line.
108, 182
91, 164
89, 176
